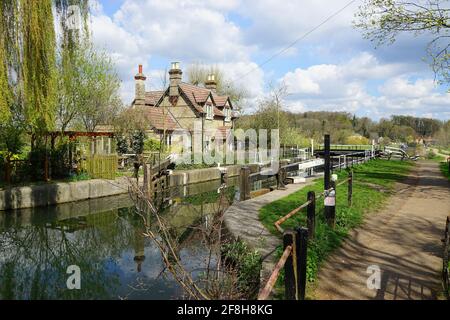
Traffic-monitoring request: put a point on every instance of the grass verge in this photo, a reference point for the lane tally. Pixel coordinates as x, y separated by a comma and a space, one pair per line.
444, 169
373, 184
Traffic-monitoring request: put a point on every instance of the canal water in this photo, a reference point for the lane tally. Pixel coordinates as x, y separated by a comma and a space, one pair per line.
103, 237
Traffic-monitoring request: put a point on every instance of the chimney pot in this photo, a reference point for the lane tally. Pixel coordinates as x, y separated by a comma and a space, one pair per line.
211, 83
140, 68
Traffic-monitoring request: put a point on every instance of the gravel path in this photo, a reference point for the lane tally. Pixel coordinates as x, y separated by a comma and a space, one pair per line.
403, 240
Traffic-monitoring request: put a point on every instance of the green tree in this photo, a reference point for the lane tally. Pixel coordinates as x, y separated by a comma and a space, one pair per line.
99, 89
87, 88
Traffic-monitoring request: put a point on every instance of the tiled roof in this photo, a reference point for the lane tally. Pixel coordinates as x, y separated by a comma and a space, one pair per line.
152, 97
220, 100
224, 131
199, 95
161, 121
196, 95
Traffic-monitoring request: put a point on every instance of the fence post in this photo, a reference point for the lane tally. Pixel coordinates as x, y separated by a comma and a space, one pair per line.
281, 177
327, 167
244, 185
289, 272
301, 252
350, 188
311, 214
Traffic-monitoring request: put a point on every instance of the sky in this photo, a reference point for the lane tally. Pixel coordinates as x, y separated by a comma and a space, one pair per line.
333, 68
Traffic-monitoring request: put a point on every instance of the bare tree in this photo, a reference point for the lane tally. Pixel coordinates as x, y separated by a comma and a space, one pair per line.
383, 20
197, 74
219, 280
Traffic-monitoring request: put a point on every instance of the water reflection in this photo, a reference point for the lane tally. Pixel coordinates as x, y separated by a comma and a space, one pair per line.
105, 239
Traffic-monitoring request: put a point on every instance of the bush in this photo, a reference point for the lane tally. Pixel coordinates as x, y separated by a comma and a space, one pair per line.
60, 160
122, 145
356, 139
151, 144
248, 264
82, 176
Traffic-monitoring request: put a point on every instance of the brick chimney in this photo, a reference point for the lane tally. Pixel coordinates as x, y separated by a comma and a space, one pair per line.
211, 83
140, 88
175, 74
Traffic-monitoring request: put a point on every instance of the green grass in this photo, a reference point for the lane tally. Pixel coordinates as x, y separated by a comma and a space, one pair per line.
367, 198
444, 169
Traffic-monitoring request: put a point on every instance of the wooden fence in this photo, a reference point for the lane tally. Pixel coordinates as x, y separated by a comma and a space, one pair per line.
295, 243
100, 166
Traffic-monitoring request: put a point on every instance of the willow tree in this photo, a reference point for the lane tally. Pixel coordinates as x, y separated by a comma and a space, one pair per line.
5, 91
28, 59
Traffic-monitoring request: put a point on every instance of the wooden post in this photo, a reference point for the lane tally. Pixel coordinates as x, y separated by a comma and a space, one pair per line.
281, 177
46, 173
244, 185
350, 188
328, 210
146, 180
327, 167
290, 285
311, 214
301, 251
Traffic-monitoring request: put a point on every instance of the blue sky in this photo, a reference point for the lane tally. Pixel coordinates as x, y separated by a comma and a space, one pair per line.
333, 68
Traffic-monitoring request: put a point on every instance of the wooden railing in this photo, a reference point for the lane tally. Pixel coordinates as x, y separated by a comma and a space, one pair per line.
310, 204
293, 260
294, 257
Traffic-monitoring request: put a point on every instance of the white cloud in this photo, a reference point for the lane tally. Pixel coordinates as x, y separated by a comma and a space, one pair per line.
353, 78
401, 87
185, 30
346, 87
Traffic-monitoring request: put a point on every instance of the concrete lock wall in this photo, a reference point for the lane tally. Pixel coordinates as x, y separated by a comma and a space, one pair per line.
201, 175
56, 193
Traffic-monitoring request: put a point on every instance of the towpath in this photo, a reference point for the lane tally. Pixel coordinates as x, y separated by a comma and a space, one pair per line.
403, 240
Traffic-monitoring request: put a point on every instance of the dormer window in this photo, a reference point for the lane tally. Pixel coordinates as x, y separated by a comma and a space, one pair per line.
209, 112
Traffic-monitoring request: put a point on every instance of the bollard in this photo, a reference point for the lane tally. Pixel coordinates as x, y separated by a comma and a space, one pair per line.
350, 188
311, 214
301, 252
289, 272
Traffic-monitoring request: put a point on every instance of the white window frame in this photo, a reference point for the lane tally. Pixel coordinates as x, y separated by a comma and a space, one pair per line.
209, 112
227, 114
